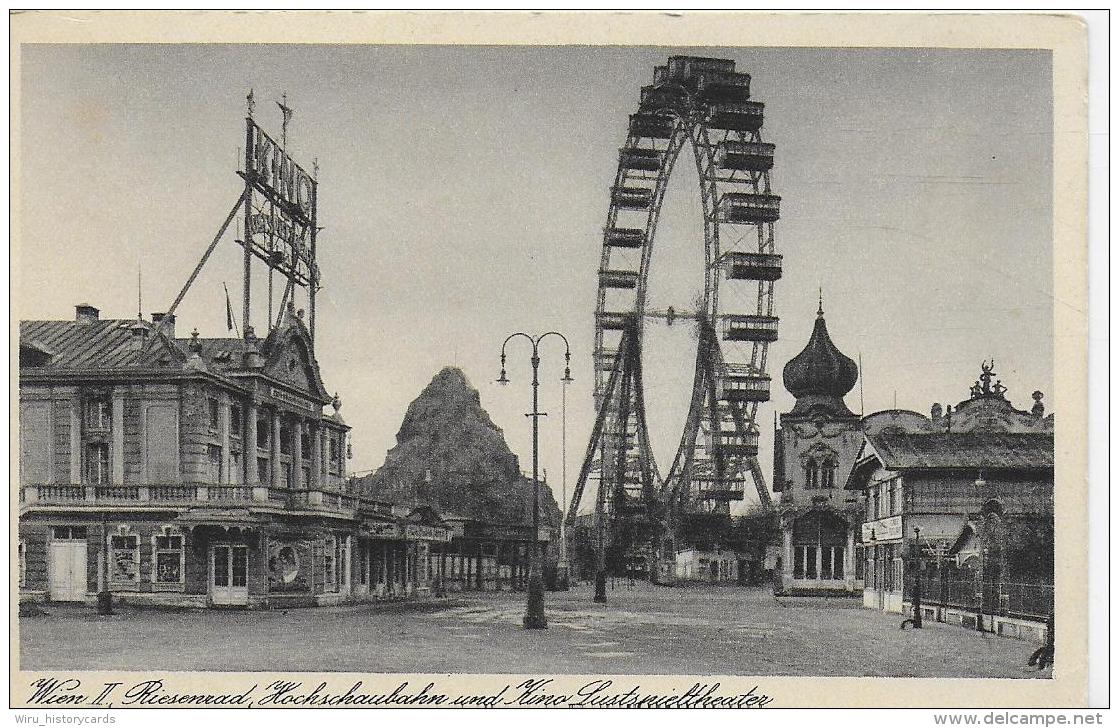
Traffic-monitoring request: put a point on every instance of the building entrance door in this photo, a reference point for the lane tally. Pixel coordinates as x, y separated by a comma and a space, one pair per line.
229, 571
67, 569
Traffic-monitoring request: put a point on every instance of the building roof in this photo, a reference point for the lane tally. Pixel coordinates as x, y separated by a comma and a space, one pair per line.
98, 345
820, 375
990, 451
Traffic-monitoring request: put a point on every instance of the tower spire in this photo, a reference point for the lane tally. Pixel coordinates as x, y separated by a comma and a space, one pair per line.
820, 310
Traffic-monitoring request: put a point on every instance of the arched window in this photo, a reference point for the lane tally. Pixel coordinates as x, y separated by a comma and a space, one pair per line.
811, 474
827, 474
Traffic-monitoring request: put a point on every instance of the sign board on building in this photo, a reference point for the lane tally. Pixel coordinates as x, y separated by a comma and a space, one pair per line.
291, 400
278, 177
384, 529
417, 532
884, 529
281, 217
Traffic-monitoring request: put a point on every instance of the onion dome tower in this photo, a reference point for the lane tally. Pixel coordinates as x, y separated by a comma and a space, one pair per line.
820, 375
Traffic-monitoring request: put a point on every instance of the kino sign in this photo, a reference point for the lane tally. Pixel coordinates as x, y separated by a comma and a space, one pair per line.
278, 177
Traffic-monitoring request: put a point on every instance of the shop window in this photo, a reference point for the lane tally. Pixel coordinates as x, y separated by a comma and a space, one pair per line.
798, 562
168, 560
215, 464
124, 559
97, 463
213, 410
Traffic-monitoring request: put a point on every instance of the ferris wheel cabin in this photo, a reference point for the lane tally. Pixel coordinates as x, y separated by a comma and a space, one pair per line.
685, 68
646, 160
653, 126
742, 384
617, 278
612, 321
735, 443
740, 266
659, 97
709, 486
632, 198
749, 207
723, 86
736, 115
745, 156
604, 359
750, 327
625, 237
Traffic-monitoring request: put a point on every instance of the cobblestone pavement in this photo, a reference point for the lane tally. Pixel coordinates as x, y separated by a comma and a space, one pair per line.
702, 630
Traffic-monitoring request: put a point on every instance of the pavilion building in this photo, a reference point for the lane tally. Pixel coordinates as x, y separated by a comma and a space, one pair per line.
196, 472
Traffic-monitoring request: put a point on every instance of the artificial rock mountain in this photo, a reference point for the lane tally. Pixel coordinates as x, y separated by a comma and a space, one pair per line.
472, 471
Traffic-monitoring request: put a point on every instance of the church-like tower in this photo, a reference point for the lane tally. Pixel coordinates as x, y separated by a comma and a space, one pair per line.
814, 448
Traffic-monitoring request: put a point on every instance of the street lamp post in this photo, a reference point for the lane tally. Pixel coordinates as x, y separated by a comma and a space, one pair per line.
917, 578
534, 613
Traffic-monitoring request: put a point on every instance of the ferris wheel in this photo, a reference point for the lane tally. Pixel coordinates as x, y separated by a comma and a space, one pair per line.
702, 104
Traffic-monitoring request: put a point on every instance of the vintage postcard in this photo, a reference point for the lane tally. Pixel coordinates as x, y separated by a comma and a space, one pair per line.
550, 360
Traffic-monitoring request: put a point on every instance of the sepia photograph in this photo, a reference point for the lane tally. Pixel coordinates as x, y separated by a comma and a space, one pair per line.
530, 358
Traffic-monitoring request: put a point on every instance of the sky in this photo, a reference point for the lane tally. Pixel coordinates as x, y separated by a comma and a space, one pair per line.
463, 191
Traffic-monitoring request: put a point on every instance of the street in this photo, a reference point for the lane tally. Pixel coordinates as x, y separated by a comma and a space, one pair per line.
692, 630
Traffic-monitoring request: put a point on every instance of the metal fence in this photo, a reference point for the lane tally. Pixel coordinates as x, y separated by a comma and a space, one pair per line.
1008, 599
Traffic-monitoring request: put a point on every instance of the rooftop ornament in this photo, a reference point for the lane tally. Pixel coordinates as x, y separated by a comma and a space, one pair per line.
983, 386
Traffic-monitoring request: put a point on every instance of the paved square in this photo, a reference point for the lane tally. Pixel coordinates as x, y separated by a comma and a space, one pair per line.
644, 629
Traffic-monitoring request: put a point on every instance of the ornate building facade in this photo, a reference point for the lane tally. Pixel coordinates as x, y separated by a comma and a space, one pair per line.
815, 446
196, 472
965, 496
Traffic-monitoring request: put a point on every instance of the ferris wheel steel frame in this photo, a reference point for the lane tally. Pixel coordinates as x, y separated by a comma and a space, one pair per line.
705, 104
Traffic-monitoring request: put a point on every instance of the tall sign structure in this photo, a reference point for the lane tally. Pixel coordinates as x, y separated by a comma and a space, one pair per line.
281, 215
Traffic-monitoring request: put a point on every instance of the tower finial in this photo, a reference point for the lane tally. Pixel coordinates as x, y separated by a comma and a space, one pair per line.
820, 310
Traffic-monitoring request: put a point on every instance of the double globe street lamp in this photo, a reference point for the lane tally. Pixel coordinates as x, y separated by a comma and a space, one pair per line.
534, 613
